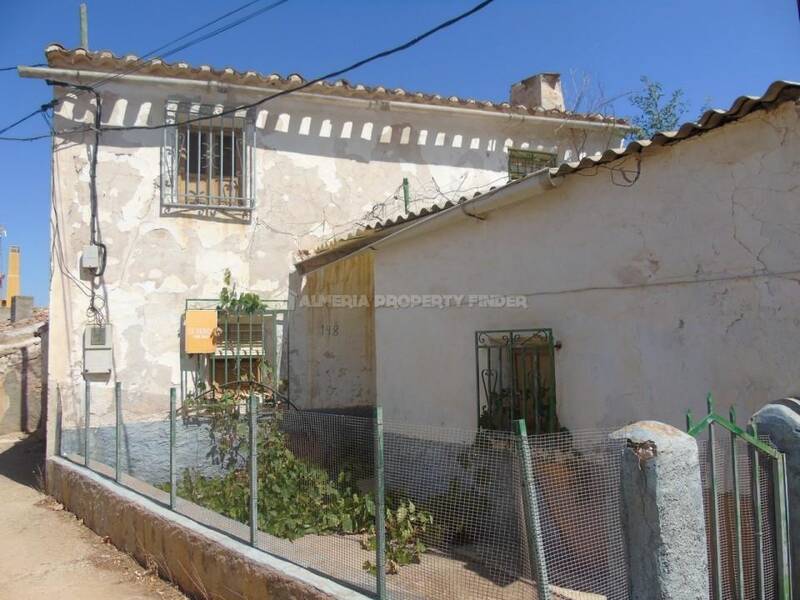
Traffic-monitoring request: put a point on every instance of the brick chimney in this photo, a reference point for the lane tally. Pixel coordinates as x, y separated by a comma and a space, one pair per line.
542, 90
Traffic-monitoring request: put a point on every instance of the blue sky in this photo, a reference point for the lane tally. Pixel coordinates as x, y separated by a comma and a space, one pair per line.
712, 49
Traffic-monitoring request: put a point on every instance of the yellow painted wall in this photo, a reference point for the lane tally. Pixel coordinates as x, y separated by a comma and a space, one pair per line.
13, 276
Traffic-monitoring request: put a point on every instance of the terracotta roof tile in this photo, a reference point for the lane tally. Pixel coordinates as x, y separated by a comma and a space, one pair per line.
78, 58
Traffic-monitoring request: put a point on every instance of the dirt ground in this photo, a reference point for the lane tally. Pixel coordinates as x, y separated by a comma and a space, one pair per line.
46, 552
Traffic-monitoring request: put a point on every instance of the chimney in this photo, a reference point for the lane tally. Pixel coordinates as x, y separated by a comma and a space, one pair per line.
542, 90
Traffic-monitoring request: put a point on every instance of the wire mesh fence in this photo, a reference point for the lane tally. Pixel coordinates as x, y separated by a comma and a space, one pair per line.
757, 546
314, 489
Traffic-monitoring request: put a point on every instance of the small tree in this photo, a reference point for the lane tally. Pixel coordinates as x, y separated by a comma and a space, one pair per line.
657, 112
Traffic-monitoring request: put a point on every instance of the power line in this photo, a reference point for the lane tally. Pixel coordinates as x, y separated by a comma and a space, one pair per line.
14, 68
383, 54
142, 62
41, 109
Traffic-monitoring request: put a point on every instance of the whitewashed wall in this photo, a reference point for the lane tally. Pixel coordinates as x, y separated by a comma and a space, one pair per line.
320, 165
687, 282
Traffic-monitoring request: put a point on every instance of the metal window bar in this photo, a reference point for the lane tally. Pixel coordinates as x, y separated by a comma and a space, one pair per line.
212, 166
515, 378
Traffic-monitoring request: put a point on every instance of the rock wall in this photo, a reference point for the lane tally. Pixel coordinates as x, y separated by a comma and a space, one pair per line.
23, 369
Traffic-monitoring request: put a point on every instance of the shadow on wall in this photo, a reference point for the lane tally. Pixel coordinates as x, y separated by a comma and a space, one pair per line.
371, 134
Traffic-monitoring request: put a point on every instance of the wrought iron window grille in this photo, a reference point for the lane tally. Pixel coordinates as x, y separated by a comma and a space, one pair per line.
515, 379
207, 166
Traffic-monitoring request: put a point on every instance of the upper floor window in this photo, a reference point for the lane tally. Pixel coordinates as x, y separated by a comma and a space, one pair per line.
523, 162
207, 164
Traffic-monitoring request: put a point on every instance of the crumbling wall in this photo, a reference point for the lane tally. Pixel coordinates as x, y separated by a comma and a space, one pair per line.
22, 366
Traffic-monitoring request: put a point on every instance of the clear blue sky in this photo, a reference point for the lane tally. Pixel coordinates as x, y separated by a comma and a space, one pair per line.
717, 49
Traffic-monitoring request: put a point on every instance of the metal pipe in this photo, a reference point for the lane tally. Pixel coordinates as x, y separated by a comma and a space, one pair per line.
758, 516
533, 528
715, 533
87, 405
118, 430
253, 405
173, 479
84, 19
737, 514
380, 508
782, 540
406, 195
89, 76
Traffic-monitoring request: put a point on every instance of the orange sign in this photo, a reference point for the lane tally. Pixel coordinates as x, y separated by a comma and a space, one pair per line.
199, 327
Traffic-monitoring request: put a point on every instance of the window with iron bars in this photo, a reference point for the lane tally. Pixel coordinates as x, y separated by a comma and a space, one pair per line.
523, 162
207, 164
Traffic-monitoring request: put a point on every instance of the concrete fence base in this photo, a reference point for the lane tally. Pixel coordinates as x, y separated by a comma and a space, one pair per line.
663, 517
202, 562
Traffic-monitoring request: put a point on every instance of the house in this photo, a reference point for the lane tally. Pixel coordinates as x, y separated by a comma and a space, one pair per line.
621, 287
183, 184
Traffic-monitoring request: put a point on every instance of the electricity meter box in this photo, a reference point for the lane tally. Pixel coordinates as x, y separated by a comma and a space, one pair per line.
97, 350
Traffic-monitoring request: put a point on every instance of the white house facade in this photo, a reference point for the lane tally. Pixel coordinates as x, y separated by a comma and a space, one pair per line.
622, 287
190, 185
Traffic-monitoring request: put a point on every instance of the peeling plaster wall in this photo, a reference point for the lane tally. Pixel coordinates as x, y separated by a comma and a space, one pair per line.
320, 165
334, 324
687, 282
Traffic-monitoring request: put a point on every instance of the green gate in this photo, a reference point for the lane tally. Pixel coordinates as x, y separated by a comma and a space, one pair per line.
746, 505
248, 354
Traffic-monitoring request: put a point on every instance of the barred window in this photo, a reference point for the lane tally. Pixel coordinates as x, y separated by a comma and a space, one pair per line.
524, 162
208, 163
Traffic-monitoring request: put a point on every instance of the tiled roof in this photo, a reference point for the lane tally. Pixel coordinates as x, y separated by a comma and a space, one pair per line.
105, 61
777, 93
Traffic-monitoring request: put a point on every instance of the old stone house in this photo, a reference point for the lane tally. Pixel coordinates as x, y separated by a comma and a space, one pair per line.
620, 287
181, 199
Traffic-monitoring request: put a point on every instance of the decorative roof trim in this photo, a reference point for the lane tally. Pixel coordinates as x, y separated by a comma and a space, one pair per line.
78, 58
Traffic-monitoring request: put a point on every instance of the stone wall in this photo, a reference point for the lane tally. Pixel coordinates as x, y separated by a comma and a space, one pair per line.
22, 374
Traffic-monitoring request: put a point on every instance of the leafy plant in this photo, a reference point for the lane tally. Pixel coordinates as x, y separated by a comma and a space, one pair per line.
296, 498
656, 112
405, 527
231, 300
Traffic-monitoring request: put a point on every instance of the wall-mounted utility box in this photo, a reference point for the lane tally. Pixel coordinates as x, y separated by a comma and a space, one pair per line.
90, 258
97, 350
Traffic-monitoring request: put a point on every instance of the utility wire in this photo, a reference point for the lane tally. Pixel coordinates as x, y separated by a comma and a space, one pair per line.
14, 68
144, 59
412, 42
41, 109
385, 53
142, 62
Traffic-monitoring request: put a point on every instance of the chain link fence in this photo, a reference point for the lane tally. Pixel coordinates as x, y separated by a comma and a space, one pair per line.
310, 487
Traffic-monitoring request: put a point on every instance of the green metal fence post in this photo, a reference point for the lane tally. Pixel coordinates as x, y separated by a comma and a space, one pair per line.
758, 517
380, 507
87, 406
533, 528
782, 529
406, 194
715, 532
173, 480
253, 404
117, 429
737, 514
